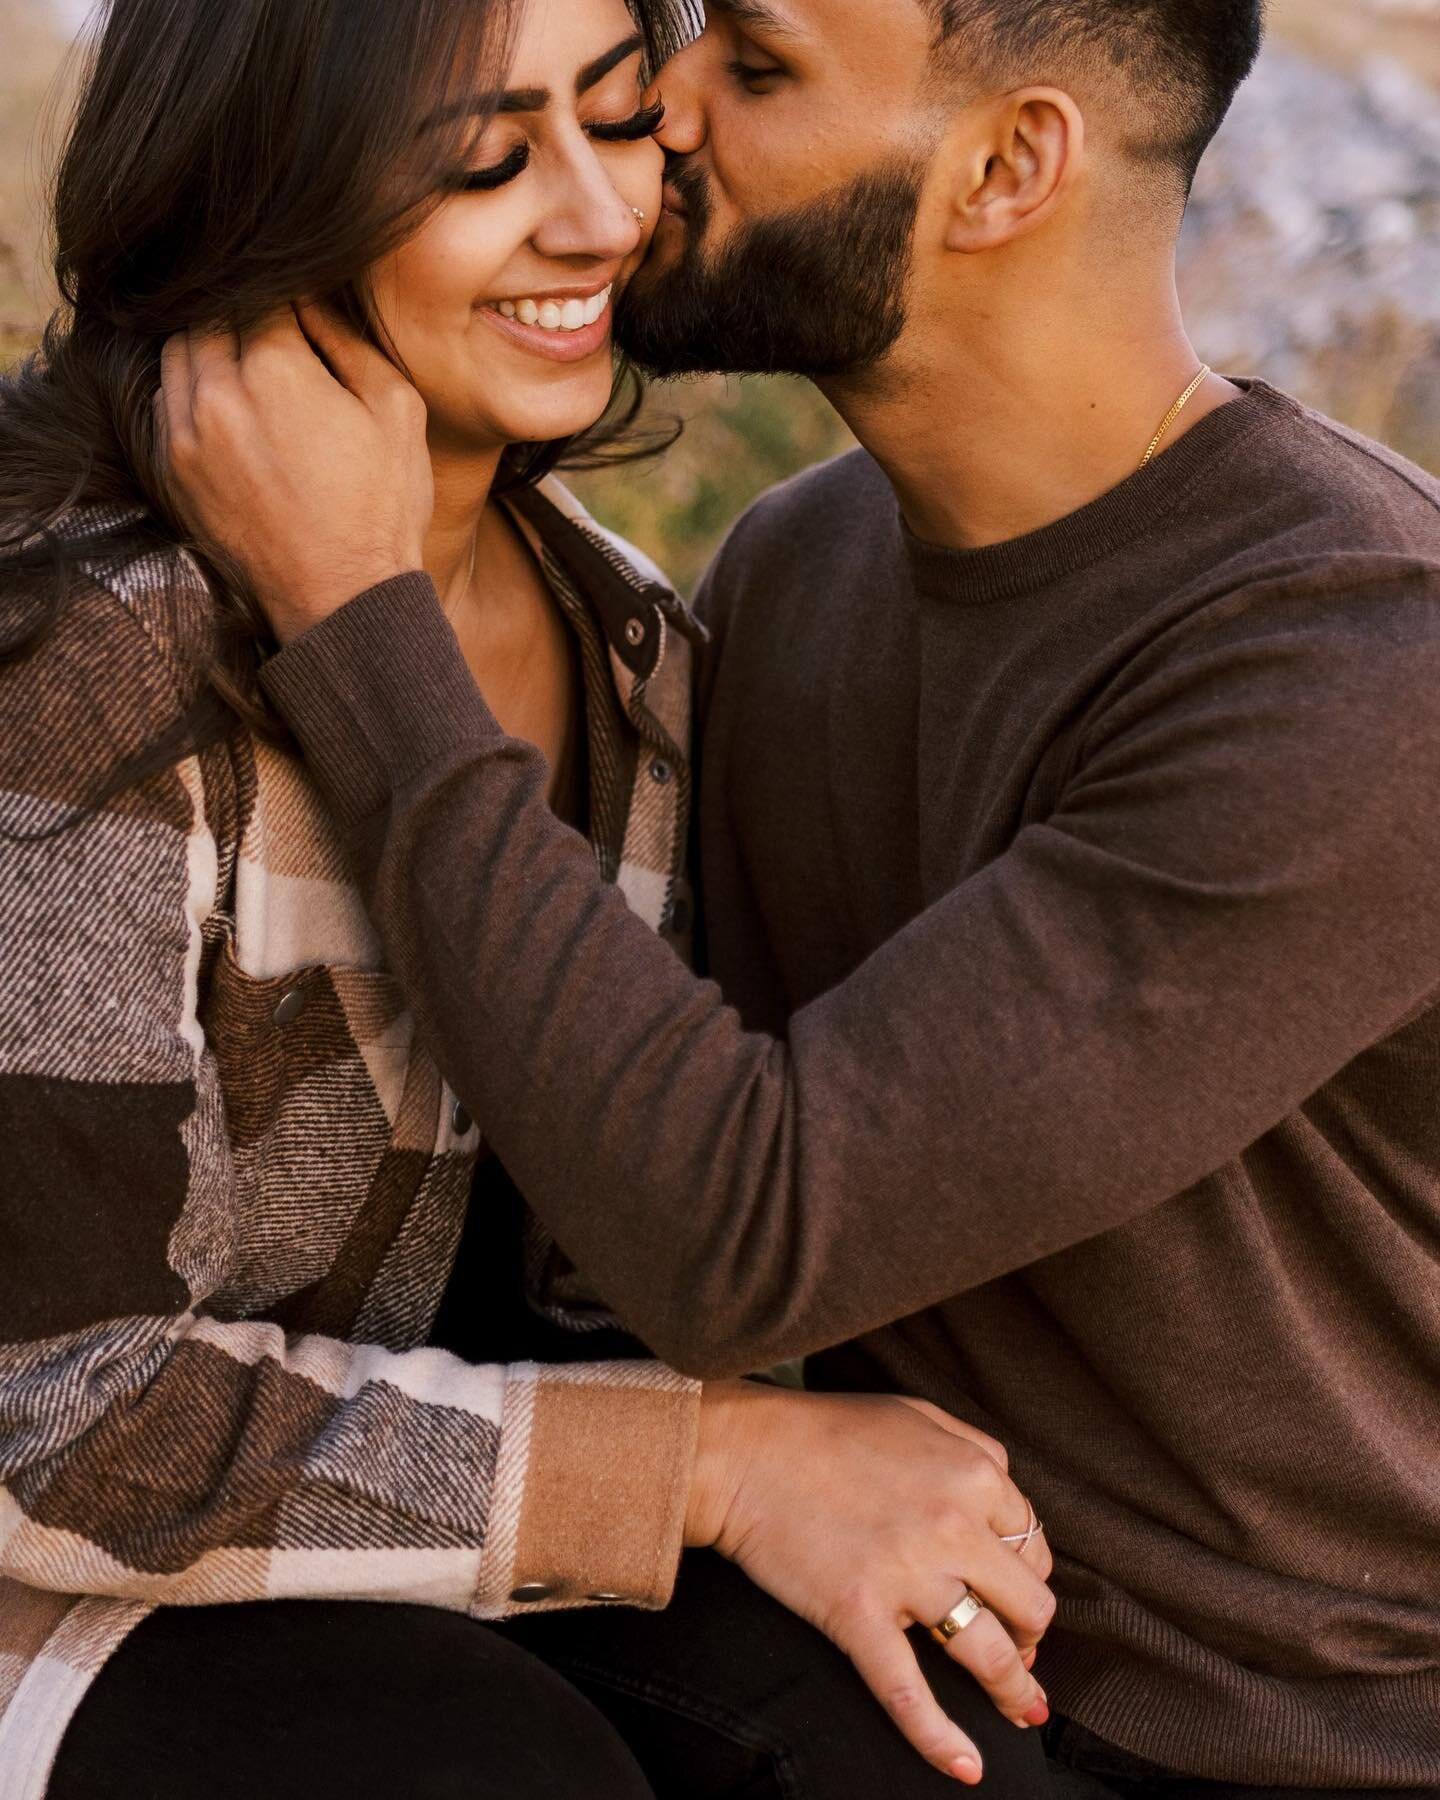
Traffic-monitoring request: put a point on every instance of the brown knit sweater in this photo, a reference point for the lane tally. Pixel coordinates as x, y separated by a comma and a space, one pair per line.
1081, 901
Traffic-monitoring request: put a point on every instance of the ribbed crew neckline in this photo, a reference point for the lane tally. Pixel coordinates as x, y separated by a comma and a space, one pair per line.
1027, 564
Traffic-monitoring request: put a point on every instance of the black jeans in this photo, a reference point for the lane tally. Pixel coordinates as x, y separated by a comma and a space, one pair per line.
727, 1696
305, 1700
322, 1700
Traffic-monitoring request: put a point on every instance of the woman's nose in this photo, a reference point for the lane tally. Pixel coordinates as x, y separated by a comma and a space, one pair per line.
589, 216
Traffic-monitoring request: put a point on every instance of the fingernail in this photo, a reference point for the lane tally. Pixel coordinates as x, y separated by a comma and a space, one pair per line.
965, 1768
1038, 1713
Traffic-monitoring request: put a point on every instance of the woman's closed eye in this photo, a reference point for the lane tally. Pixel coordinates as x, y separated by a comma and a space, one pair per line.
639, 125
642, 124
495, 175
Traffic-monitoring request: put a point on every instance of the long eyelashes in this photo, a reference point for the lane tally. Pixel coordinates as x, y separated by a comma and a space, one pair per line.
642, 124
483, 180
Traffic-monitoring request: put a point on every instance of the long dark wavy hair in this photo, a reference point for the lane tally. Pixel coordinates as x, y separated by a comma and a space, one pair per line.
225, 158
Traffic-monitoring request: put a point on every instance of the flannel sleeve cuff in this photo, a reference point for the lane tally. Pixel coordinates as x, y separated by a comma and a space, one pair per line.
378, 692
592, 1488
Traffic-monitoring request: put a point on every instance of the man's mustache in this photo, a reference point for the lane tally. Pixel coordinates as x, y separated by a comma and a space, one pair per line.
693, 186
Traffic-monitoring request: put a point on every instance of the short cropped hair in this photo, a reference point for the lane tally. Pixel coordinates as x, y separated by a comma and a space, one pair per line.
1185, 59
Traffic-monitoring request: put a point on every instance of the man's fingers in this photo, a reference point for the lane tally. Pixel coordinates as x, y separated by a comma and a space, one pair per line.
988, 1651
174, 414
358, 365
888, 1666
277, 330
213, 350
277, 347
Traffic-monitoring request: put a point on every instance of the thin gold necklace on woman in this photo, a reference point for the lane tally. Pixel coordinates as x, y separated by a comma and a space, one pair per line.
1173, 414
464, 589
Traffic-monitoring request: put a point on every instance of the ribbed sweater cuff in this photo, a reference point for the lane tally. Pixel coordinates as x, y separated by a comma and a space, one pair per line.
378, 692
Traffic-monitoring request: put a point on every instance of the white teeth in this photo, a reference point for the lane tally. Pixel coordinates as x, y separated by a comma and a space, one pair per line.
555, 315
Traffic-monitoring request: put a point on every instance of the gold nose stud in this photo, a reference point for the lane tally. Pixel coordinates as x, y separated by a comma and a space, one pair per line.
638, 214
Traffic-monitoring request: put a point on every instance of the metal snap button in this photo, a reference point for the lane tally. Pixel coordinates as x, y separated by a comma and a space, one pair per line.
290, 1006
616, 1599
661, 772
531, 1592
635, 632
460, 1119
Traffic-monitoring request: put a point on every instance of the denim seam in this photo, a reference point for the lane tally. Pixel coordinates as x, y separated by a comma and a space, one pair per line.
683, 1701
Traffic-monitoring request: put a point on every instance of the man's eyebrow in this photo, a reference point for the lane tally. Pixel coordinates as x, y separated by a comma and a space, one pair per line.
755, 14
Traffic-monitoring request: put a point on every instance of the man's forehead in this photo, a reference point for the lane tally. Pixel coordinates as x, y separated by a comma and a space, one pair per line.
839, 21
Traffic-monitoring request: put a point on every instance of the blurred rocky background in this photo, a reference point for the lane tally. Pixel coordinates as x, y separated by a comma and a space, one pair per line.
1312, 257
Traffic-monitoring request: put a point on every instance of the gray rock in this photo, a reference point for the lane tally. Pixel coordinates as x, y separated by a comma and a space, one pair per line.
1312, 250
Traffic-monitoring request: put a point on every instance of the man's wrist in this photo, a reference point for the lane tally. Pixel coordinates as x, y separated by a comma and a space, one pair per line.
301, 607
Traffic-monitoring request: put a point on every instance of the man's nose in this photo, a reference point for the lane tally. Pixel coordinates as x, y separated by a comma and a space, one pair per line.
680, 85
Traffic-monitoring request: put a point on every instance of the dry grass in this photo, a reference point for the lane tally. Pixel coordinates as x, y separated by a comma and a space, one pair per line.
1342, 33
30, 94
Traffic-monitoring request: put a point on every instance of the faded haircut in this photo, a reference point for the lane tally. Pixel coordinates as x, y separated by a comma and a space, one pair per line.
1184, 60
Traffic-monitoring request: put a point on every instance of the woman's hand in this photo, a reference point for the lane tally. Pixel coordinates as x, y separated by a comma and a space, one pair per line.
312, 475
867, 1515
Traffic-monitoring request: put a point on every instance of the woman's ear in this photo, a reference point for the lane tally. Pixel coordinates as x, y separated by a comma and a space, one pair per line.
1021, 155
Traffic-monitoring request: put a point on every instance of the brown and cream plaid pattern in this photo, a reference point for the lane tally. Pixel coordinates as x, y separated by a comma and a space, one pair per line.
234, 1180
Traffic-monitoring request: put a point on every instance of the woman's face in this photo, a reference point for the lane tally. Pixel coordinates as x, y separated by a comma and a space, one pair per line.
500, 306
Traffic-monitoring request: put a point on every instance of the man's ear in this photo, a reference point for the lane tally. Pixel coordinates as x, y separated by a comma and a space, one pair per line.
1017, 157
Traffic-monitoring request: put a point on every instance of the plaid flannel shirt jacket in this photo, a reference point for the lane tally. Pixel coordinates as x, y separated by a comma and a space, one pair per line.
234, 1180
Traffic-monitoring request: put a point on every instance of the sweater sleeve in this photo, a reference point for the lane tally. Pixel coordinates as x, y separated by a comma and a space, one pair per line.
151, 1451
1235, 894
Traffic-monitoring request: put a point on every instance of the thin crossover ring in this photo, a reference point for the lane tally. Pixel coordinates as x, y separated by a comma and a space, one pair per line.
1023, 1538
963, 1614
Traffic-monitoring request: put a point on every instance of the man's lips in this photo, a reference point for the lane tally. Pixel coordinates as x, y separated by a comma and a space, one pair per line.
673, 201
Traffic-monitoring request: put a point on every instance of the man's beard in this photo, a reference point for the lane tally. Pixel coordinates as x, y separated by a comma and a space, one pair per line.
817, 291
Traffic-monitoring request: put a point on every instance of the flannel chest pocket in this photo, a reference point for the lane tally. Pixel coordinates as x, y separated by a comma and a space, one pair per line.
325, 1100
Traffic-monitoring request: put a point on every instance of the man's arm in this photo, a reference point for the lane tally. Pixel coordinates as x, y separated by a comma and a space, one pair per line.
1236, 895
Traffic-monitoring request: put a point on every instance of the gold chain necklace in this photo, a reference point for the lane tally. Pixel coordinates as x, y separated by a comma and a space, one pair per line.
1173, 414
450, 606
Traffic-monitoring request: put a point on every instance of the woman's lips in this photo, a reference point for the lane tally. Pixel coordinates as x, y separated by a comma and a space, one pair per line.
554, 341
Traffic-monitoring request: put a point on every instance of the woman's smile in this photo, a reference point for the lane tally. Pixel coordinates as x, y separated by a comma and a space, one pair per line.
564, 324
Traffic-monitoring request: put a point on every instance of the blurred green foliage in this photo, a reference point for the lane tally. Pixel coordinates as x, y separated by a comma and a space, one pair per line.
738, 438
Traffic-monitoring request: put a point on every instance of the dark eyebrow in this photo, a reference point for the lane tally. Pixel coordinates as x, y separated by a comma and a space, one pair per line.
602, 65
756, 15
530, 100
514, 100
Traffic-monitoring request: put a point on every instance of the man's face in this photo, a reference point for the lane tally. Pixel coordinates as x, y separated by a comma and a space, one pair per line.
796, 133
